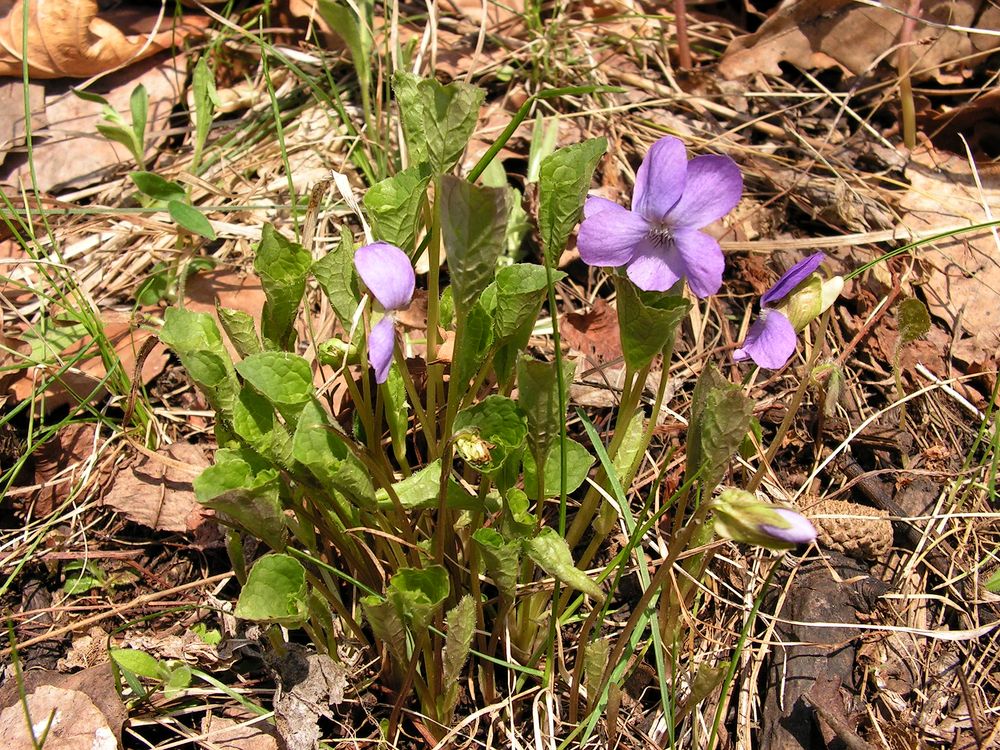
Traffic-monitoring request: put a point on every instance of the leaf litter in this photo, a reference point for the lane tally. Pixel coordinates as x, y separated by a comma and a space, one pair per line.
797, 198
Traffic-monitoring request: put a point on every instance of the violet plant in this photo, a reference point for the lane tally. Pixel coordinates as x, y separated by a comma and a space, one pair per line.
444, 518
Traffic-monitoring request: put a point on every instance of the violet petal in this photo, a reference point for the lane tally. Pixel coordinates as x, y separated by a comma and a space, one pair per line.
655, 268
703, 261
380, 345
387, 273
595, 204
714, 186
799, 530
791, 279
609, 237
660, 181
770, 342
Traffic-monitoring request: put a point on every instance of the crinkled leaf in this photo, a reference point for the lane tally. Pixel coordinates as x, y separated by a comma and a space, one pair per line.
517, 521
337, 277
647, 321
520, 291
233, 470
578, 463
254, 421
239, 327
387, 625
255, 510
538, 396
284, 379
595, 660
551, 553
477, 340
473, 222
914, 321
720, 418
196, 340
499, 422
421, 490
437, 120
461, 626
630, 447
502, 559
395, 204
275, 592
190, 218
322, 449
563, 181
418, 593
282, 266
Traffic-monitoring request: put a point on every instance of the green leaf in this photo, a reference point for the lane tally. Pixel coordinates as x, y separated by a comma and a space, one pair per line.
720, 418
538, 396
418, 593
544, 136
158, 188
461, 626
139, 105
517, 522
520, 291
190, 218
206, 99
138, 662
178, 678
551, 553
397, 408
233, 470
578, 463
395, 205
518, 224
647, 321
473, 222
914, 321
630, 447
993, 583
502, 559
239, 327
321, 448
422, 490
336, 276
437, 120
284, 379
595, 660
282, 266
256, 510
563, 181
355, 33
500, 423
387, 625
196, 340
275, 592
124, 136
477, 341
254, 421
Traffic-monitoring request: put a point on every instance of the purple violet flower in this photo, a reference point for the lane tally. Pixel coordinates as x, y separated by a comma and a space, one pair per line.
659, 241
785, 309
387, 273
798, 530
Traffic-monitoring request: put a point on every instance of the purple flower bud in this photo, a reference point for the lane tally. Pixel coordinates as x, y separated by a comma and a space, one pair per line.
387, 273
739, 516
380, 345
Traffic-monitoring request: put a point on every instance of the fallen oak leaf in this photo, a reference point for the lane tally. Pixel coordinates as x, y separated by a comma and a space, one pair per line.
67, 38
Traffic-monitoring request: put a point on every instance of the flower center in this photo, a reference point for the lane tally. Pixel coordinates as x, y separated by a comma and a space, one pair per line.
660, 234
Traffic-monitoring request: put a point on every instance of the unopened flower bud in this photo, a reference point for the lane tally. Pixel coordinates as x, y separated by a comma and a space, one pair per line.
473, 448
741, 517
810, 299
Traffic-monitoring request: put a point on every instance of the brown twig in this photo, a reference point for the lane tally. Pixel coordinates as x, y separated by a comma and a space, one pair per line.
139, 601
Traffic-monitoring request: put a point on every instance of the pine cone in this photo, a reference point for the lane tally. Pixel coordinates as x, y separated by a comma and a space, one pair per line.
859, 531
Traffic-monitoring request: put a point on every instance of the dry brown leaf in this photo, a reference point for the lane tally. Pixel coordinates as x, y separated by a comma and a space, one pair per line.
61, 458
85, 711
236, 734
963, 272
68, 151
67, 38
826, 33
158, 493
594, 333
82, 381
